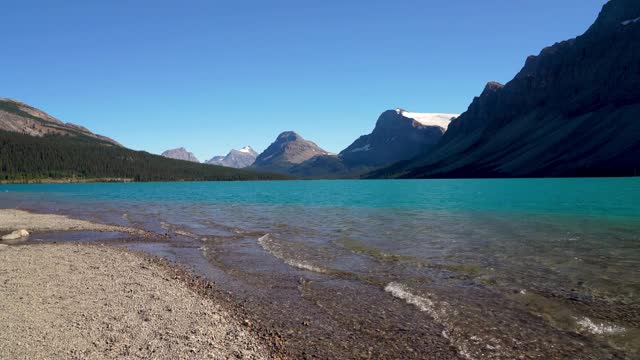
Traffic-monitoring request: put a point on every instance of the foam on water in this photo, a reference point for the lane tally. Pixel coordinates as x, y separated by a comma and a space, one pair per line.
266, 242
438, 312
599, 328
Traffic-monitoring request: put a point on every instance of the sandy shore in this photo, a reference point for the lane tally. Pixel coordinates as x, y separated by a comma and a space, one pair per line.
11, 219
84, 301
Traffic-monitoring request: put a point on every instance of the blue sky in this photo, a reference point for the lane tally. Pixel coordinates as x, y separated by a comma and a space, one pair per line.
215, 75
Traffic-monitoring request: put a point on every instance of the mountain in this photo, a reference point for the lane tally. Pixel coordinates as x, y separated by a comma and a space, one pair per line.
573, 110
36, 147
19, 117
180, 154
398, 135
238, 159
288, 150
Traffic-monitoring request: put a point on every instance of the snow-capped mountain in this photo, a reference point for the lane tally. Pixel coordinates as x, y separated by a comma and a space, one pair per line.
398, 135
238, 159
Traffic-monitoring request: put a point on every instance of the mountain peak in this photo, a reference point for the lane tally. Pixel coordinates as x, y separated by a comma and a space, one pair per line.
289, 136
288, 149
247, 150
398, 135
238, 159
180, 154
615, 13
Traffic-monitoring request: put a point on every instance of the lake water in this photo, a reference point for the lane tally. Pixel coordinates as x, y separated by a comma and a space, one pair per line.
502, 267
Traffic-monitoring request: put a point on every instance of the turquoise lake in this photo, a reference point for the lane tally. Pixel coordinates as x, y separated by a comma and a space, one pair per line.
566, 251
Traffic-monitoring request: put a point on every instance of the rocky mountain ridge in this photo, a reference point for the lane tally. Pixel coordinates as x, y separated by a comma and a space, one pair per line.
398, 135
288, 150
573, 110
16, 116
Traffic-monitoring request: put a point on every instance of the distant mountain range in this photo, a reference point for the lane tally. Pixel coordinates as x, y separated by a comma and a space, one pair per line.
238, 159
573, 110
398, 135
35, 146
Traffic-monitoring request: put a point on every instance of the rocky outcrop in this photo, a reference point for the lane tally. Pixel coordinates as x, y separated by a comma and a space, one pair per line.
573, 110
238, 159
19, 117
180, 154
288, 150
398, 135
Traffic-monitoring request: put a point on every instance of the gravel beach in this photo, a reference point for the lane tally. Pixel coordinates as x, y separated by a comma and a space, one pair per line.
84, 301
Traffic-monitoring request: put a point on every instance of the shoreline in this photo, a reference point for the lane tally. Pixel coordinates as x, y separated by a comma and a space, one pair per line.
67, 181
81, 299
86, 300
295, 311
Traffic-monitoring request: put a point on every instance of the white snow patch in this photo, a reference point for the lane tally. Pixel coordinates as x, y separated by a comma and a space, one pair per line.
429, 119
627, 22
246, 149
601, 328
364, 148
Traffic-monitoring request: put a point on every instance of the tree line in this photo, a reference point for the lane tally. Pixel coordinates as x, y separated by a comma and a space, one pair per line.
28, 158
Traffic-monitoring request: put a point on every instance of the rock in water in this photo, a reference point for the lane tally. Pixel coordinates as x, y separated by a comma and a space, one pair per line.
16, 235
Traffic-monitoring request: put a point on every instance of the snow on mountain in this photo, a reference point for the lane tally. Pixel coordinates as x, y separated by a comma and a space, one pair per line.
429, 119
247, 150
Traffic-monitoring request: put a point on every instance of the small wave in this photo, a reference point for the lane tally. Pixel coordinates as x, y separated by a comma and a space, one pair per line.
438, 312
170, 227
601, 328
266, 242
400, 291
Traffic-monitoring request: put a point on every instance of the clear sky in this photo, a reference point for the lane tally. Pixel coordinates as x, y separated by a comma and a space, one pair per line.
214, 75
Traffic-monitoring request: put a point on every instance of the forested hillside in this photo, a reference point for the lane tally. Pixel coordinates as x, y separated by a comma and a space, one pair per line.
57, 157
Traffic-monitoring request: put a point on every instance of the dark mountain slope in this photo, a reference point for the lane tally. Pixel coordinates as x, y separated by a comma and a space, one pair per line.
398, 135
573, 110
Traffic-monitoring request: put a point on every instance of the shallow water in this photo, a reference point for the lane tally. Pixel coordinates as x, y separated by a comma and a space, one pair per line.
503, 267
